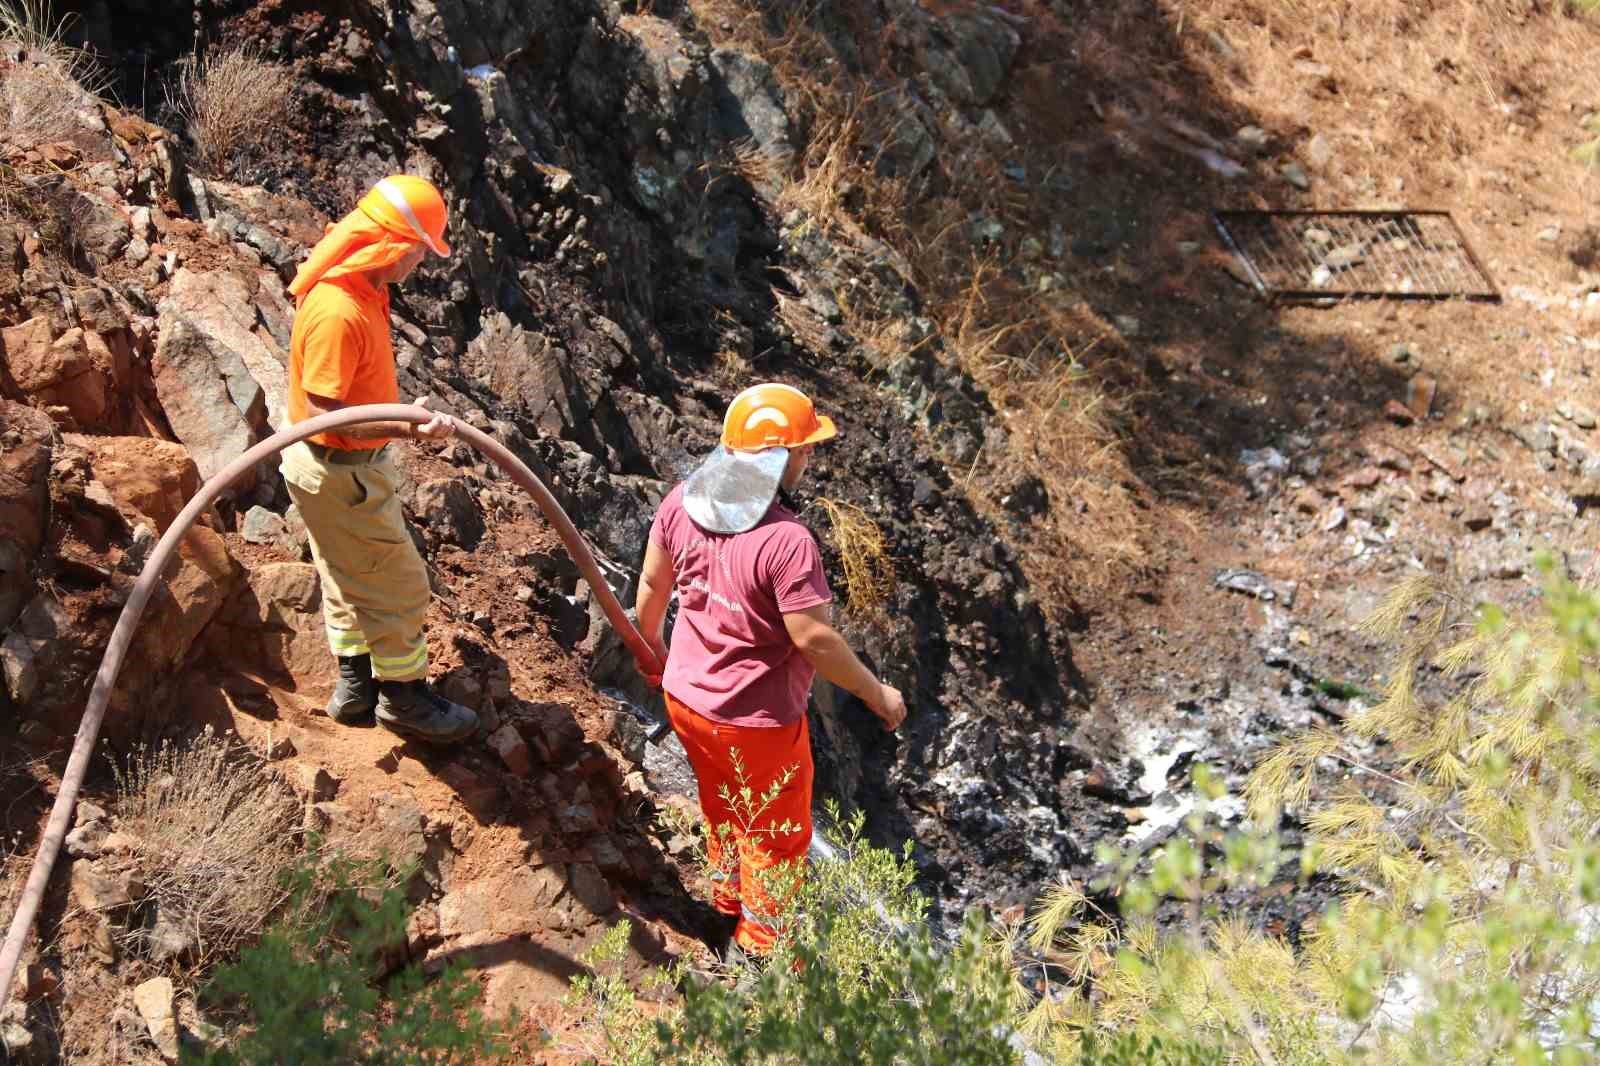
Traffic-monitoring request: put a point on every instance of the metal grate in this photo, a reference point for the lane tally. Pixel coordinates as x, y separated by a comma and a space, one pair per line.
1317, 255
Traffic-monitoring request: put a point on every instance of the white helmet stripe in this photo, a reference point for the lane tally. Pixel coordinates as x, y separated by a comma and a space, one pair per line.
398, 200
766, 414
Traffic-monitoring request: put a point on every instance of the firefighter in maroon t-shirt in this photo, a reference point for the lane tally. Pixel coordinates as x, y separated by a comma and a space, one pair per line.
754, 627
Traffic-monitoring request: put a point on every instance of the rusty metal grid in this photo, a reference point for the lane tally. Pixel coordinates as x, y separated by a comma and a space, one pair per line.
1319, 255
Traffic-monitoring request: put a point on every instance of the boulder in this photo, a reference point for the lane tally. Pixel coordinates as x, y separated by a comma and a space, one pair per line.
76, 370
749, 107
221, 308
102, 229
25, 452
36, 648
154, 1001
512, 749
261, 526
191, 596
150, 480
447, 508
211, 402
95, 888
275, 620
509, 903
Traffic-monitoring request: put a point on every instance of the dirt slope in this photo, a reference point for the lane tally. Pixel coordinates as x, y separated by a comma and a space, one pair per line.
1136, 545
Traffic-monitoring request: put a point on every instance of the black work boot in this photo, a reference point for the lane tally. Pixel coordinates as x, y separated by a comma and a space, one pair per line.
356, 693
413, 709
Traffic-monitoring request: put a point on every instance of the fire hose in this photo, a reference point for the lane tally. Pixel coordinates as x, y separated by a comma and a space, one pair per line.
122, 636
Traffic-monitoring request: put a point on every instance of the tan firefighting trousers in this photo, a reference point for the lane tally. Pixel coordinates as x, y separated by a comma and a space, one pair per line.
374, 584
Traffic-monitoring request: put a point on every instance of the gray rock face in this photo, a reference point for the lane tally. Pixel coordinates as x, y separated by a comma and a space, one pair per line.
103, 229
968, 55
750, 105
530, 372
212, 403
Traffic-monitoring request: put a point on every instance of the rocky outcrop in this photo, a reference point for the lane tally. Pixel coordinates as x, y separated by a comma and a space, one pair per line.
25, 450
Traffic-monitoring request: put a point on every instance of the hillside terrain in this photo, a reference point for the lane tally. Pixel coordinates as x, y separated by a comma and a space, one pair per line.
1131, 511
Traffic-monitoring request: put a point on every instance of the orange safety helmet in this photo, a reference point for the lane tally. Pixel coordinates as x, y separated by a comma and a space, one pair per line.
771, 415
409, 207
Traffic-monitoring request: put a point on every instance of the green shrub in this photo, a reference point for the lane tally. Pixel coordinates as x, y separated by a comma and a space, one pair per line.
309, 993
924, 1006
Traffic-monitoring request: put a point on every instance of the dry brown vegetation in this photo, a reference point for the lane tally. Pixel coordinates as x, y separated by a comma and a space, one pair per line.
232, 102
1066, 385
44, 83
869, 577
216, 832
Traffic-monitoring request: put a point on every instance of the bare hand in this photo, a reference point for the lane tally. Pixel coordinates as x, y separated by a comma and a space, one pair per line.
440, 427
889, 706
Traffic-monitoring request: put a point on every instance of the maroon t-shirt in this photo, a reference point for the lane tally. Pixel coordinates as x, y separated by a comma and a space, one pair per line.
731, 658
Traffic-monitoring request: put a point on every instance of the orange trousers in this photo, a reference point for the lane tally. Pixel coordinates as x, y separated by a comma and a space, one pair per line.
748, 834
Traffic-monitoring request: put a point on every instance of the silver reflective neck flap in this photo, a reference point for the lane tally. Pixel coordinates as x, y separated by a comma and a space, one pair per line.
731, 491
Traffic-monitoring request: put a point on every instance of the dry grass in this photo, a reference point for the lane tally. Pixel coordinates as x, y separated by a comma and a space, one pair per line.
869, 577
1448, 96
217, 830
44, 83
233, 102
1014, 341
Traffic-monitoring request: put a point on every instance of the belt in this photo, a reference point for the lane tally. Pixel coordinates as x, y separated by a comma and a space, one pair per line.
345, 456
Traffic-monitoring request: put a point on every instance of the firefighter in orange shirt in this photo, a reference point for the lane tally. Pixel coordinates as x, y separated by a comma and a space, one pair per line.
374, 584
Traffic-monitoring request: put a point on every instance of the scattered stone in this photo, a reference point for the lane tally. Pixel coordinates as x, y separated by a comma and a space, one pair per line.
1439, 487
1246, 581
1345, 256
1389, 458
1577, 414
578, 818
1189, 247
96, 889
1099, 784
1295, 175
1403, 354
507, 743
317, 784
1550, 234
89, 812
1364, 478
1477, 518
1319, 151
589, 888
1420, 391
40, 981
261, 526
608, 857
1334, 519
119, 843
1450, 466
1254, 138
21, 1046
1398, 413
154, 1001
1127, 325
87, 841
